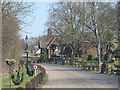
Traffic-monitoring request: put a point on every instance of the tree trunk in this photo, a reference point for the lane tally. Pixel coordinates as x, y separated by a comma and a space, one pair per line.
98, 46
109, 56
98, 52
101, 53
96, 31
119, 30
72, 56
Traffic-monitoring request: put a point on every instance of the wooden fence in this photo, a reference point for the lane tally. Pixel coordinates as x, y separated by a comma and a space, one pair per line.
110, 71
35, 81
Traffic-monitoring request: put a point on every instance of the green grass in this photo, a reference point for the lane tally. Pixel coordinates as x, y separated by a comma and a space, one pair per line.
6, 80
43, 82
0, 82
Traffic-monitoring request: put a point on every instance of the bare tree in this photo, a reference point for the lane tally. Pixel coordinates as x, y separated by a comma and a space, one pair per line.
64, 22
13, 14
99, 21
81, 22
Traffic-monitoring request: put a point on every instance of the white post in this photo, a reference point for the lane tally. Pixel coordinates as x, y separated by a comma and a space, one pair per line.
35, 72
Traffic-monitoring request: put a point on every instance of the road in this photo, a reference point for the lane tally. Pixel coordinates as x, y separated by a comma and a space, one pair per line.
67, 77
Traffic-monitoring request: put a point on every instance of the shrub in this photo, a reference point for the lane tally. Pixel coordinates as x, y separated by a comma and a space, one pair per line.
105, 57
17, 80
80, 59
94, 57
30, 70
89, 57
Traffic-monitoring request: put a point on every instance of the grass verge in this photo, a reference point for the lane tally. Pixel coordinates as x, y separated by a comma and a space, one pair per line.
90, 70
6, 80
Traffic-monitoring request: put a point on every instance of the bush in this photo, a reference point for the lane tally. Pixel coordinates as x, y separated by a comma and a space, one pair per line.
89, 57
94, 57
105, 57
80, 59
84, 62
17, 80
43, 57
30, 70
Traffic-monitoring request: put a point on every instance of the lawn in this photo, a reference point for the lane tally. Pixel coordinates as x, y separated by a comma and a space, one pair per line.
0, 82
6, 81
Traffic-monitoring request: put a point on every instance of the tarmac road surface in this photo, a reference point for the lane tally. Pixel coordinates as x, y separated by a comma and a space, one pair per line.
67, 77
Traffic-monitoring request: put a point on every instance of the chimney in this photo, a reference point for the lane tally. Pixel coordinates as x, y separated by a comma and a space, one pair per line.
49, 32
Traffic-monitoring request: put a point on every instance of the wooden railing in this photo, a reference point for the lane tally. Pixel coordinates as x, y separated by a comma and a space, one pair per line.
110, 71
35, 81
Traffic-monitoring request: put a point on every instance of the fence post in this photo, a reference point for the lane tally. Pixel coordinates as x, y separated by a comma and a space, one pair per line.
117, 72
75, 65
78, 65
112, 71
85, 67
20, 88
36, 80
28, 86
81, 66
107, 70
93, 68
97, 68
33, 83
39, 78
72, 64
89, 68
68, 64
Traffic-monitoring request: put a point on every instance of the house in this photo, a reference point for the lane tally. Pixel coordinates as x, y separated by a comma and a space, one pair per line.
47, 41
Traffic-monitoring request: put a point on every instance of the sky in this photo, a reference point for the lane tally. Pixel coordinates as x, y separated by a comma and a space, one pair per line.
36, 22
